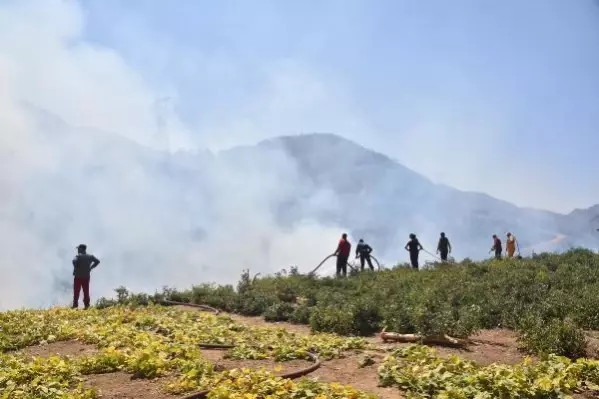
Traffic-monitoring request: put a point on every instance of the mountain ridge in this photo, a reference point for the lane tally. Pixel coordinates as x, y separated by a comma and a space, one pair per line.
323, 177
318, 145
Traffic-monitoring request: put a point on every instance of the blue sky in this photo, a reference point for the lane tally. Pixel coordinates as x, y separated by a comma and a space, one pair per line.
493, 96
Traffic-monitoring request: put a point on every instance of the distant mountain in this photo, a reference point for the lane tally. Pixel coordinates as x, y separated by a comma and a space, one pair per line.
175, 219
383, 201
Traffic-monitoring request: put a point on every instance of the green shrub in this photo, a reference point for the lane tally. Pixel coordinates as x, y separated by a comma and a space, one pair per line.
281, 311
301, 315
337, 320
253, 303
366, 318
530, 295
559, 337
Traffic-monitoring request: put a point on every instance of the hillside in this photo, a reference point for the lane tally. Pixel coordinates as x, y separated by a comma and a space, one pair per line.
157, 218
383, 201
525, 329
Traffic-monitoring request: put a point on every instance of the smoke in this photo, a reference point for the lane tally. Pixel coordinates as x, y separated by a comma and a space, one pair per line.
90, 153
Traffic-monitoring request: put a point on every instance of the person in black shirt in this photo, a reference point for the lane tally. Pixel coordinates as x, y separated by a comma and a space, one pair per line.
414, 247
497, 247
83, 264
363, 250
444, 247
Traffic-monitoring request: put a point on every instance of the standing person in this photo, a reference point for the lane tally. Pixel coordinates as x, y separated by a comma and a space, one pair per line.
496, 247
414, 247
83, 263
444, 247
342, 252
363, 250
510, 245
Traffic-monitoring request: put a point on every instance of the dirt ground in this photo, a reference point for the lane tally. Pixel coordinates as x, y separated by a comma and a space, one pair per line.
490, 346
68, 348
121, 386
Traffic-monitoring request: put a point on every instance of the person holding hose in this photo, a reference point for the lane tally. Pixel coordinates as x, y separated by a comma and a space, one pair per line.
363, 251
496, 247
413, 246
342, 253
444, 247
83, 264
510, 245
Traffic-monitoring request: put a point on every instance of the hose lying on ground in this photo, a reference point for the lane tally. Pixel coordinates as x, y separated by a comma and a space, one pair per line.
204, 393
291, 375
193, 305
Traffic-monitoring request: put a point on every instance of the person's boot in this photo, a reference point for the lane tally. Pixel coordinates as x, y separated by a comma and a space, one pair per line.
75, 305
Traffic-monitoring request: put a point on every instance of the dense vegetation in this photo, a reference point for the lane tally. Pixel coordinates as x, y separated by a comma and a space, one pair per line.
421, 373
153, 342
549, 299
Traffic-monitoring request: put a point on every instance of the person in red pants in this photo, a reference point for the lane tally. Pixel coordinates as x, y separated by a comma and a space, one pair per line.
83, 264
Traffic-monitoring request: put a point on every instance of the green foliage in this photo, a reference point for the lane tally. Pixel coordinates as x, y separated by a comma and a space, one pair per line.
152, 342
279, 312
457, 300
422, 374
559, 337
301, 315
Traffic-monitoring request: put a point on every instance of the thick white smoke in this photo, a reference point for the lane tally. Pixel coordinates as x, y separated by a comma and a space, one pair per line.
86, 158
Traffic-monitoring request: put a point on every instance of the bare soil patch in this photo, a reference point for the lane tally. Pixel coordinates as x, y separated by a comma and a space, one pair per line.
66, 348
490, 346
593, 344
346, 371
121, 386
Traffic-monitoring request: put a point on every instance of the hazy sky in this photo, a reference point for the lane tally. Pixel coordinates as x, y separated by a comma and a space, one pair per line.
493, 96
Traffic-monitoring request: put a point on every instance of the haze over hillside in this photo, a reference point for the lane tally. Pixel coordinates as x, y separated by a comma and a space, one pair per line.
156, 218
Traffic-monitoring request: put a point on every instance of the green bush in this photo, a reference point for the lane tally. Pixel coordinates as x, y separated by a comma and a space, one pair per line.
559, 337
366, 318
281, 311
301, 315
527, 295
333, 320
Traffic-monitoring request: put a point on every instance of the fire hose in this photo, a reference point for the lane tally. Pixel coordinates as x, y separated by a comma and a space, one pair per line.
438, 258
350, 266
204, 393
193, 305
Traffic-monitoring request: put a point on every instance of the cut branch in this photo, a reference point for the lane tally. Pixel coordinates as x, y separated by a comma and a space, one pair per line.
444, 340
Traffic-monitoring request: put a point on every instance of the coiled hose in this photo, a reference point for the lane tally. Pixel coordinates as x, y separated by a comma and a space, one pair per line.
204, 393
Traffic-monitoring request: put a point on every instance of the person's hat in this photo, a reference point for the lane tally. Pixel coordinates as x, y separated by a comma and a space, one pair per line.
361, 240
81, 246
